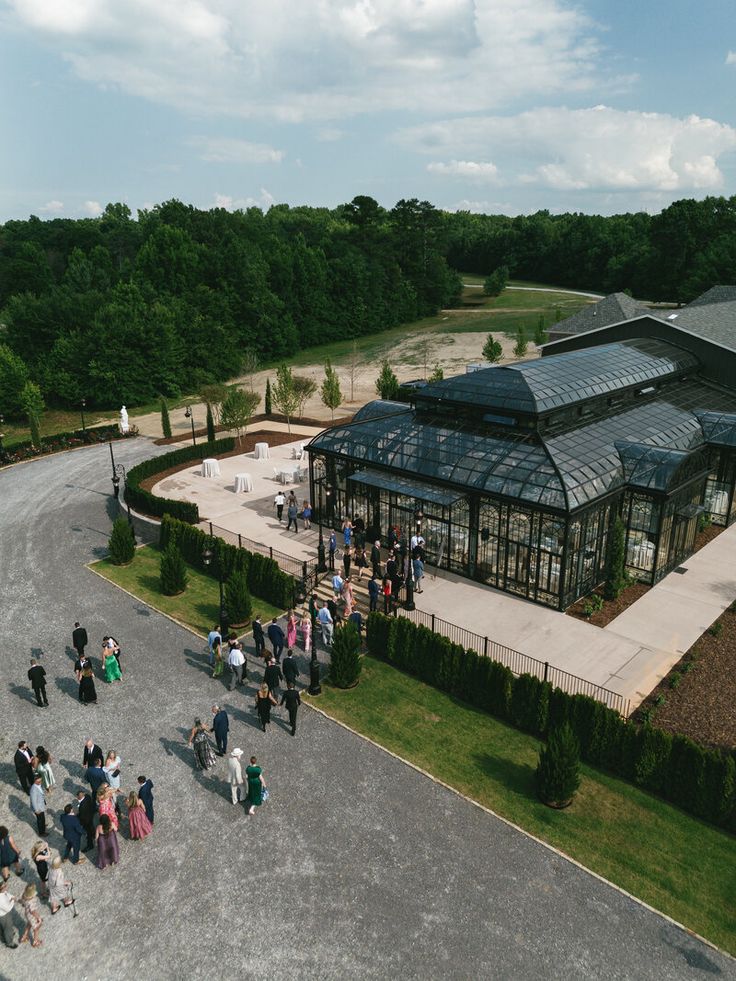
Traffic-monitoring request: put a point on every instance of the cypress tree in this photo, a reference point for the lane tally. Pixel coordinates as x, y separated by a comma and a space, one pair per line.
345, 663
173, 576
237, 598
165, 421
121, 543
558, 772
210, 424
267, 401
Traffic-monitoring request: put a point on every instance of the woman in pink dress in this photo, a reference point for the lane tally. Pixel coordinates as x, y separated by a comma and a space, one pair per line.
138, 822
106, 804
306, 629
347, 596
291, 629
108, 851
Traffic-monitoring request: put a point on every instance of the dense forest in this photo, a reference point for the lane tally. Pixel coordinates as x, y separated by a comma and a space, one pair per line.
672, 256
115, 309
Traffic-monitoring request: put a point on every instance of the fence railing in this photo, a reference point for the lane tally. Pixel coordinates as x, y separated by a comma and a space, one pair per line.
303, 571
517, 662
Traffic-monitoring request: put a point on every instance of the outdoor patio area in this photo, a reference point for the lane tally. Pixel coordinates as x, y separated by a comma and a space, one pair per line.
630, 661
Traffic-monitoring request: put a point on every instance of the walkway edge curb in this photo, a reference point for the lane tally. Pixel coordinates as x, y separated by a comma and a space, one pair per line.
527, 834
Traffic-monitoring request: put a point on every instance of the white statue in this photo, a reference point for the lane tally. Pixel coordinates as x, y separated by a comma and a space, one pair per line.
124, 427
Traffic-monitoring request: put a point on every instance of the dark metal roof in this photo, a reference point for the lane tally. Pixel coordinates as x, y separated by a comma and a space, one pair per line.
610, 310
716, 294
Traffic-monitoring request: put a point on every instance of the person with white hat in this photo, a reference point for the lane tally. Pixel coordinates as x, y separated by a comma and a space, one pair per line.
235, 775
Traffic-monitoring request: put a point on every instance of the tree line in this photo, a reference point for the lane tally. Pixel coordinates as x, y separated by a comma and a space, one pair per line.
671, 256
116, 310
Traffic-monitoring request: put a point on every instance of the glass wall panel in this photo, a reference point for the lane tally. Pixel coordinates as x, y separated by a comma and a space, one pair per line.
641, 518
719, 487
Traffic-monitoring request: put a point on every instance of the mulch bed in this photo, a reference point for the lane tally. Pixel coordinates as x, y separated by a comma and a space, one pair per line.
246, 445
274, 417
701, 705
612, 608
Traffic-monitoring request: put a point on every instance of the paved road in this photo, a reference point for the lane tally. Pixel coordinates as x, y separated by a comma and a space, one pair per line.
357, 867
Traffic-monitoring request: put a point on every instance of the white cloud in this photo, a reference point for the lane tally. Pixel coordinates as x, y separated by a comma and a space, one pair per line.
52, 207
483, 207
93, 208
484, 173
731, 58
225, 150
263, 201
329, 134
581, 149
322, 59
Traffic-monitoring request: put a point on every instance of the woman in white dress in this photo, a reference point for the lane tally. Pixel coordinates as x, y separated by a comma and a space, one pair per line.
112, 766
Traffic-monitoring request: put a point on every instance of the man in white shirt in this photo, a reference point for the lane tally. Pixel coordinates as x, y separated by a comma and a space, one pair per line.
416, 541
7, 929
324, 618
236, 662
337, 583
279, 501
214, 639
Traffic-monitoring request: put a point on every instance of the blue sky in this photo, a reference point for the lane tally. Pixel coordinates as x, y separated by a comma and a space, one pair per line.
495, 105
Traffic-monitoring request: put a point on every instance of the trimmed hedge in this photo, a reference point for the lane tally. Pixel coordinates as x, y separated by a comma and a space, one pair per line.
699, 780
147, 503
265, 579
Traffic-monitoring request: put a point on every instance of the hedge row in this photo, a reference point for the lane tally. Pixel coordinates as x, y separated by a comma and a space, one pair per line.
699, 780
265, 579
147, 503
56, 442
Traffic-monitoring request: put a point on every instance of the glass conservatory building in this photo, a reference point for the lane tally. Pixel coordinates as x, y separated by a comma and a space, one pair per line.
516, 473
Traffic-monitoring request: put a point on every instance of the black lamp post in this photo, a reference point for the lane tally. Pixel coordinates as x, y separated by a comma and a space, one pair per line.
2, 435
190, 415
82, 405
207, 556
409, 604
315, 688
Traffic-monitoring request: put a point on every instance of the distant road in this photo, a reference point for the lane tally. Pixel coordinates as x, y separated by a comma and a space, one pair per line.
538, 289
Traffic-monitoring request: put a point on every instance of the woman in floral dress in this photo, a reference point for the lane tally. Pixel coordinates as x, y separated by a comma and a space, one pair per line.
140, 826
306, 629
204, 755
290, 629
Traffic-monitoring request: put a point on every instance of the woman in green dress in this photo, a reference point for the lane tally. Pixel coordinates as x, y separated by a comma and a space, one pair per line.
111, 666
256, 785
219, 663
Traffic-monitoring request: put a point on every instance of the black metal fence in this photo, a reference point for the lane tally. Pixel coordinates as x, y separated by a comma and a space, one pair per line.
518, 663
303, 571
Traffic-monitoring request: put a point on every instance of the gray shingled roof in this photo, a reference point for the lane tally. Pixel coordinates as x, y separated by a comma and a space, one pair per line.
612, 309
714, 321
716, 294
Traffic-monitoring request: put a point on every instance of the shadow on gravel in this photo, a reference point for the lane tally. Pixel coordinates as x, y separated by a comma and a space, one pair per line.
68, 686
76, 771
173, 747
200, 665
22, 692
70, 653
693, 956
8, 774
22, 811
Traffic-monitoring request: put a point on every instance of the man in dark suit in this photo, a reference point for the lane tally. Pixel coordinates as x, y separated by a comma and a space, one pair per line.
291, 699
23, 765
376, 559
276, 636
92, 753
37, 678
79, 639
72, 830
86, 810
290, 668
95, 777
258, 639
220, 727
145, 793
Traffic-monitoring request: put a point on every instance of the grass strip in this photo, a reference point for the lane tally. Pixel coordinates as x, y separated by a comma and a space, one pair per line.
670, 860
198, 606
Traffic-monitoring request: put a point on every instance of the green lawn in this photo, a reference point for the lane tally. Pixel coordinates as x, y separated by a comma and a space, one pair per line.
197, 607
672, 861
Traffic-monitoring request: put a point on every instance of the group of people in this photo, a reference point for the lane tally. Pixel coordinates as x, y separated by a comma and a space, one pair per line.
292, 511
95, 815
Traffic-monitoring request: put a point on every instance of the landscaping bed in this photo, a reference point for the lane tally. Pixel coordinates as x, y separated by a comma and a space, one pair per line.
59, 442
246, 445
697, 697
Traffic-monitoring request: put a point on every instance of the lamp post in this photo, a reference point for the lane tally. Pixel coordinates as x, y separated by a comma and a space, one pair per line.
83, 403
207, 556
190, 415
2, 436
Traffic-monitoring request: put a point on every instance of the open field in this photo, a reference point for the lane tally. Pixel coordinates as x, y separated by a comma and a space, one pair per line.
674, 862
197, 607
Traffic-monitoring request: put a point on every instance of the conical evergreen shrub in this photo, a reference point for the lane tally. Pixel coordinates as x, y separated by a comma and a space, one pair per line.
121, 543
210, 424
238, 601
267, 408
165, 421
558, 772
173, 576
345, 662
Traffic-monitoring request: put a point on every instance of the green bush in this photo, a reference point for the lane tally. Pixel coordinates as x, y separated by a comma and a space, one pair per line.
165, 421
558, 771
655, 747
121, 543
210, 423
237, 598
147, 503
345, 662
267, 408
264, 578
173, 575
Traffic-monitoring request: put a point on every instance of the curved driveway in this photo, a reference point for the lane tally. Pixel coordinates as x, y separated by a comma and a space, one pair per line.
358, 866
